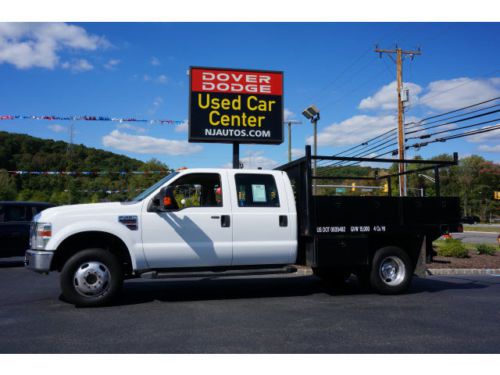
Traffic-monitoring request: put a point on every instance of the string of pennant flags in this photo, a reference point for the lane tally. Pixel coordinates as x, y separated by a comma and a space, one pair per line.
90, 118
107, 191
88, 173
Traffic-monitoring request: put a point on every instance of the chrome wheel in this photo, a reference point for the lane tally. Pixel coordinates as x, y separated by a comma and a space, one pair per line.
392, 270
92, 279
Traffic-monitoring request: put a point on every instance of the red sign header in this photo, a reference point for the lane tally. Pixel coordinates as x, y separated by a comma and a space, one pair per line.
236, 81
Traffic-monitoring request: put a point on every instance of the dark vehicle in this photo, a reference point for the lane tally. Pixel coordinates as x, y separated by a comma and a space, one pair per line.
381, 239
15, 220
471, 219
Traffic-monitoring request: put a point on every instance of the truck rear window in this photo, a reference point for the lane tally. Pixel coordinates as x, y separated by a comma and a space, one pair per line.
256, 190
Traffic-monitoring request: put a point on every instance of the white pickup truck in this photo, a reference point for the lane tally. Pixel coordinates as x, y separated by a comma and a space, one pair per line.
226, 222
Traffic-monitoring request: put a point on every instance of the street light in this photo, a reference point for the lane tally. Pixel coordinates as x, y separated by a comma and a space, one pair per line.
312, 114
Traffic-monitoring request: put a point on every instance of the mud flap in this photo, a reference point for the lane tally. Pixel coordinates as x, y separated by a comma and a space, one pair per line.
420, 267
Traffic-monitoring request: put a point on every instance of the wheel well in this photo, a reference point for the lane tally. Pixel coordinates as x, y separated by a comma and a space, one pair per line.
410, 245
84, 240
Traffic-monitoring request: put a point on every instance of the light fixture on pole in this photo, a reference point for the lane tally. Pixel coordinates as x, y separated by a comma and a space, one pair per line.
312, 114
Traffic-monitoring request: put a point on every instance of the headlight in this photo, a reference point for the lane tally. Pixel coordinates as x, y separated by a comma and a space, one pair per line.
40, 235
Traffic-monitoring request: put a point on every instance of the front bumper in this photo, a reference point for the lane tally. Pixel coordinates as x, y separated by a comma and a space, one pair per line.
38, 261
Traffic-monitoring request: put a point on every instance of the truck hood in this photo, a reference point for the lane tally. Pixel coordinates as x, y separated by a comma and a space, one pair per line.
88, 210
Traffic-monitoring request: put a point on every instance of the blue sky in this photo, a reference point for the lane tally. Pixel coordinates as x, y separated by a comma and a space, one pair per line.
139, 70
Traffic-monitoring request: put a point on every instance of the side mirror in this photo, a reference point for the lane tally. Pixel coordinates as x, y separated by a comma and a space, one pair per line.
168, 201
163, 201
155, 204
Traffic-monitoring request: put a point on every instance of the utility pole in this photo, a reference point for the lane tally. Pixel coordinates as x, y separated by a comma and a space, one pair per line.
401, 132
290, 122
71, 136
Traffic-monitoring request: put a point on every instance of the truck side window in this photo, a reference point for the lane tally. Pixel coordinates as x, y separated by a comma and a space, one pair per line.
17, 213
256, 190
198, 190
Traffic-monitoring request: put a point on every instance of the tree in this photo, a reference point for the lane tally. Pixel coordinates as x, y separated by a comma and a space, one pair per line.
7, 186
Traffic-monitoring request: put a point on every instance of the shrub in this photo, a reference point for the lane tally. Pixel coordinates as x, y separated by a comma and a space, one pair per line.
486, 249
453, 248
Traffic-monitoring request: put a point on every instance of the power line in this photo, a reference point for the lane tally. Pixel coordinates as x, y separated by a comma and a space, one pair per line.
378, 149
453, 111
364, 144
369, 151
441, 139
353, 63
350, 151
455, 116
455, 129
451, 122
455, 136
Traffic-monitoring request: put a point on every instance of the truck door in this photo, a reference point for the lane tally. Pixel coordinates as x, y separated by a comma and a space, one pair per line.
262, 229
198, 231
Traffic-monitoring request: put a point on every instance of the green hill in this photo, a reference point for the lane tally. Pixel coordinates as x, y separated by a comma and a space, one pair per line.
20, 152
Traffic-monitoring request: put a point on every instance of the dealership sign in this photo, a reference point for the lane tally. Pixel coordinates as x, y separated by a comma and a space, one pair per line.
230, 105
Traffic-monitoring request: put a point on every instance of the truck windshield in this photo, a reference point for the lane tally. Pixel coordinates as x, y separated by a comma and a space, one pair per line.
152, 188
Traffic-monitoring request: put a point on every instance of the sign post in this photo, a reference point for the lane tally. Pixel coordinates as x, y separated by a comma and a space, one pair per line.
235, 106
236, 155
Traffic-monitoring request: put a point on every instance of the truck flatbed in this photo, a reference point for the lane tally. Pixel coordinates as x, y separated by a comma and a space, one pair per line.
344, 231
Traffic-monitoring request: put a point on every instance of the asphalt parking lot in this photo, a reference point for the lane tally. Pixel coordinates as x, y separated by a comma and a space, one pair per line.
281, 314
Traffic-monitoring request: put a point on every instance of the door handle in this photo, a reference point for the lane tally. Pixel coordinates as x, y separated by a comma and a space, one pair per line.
225, 221
283, 221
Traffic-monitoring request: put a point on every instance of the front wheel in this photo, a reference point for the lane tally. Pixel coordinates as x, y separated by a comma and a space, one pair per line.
91, 277
391, 271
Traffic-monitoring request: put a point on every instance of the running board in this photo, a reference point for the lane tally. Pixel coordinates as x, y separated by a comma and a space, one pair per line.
222, 273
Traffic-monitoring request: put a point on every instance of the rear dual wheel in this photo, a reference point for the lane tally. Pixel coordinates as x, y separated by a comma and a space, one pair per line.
391, 271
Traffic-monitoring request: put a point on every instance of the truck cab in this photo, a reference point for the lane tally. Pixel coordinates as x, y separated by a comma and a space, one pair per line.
204, 219
211, 218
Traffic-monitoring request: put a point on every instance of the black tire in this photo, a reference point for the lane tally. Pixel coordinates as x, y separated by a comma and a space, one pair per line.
391, 271
98, 281
332, 277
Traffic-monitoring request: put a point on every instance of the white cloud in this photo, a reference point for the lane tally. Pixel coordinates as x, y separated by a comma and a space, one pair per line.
487, 148
162, 78
57, 128
77, 66
288, 115
354, 130
142, 144
111, 64
157, 102
28, 45
450, 94
137, 129
182, 128
297, 153
155, 61
386, 97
